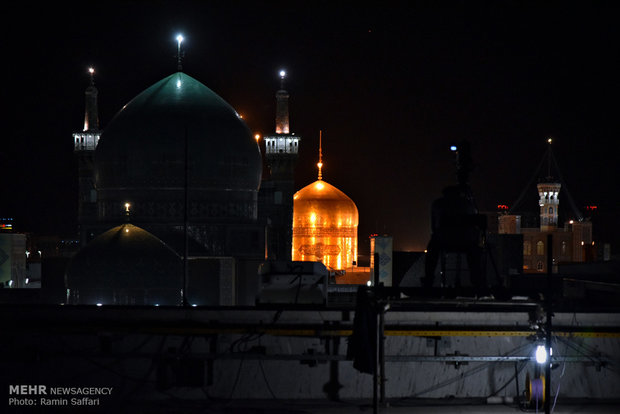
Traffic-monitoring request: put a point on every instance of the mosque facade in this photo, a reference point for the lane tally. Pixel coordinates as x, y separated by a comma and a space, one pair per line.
178, 164
569, 244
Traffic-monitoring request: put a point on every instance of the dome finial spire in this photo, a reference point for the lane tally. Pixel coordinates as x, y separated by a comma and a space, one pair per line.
179, 55
320, 163
91, 71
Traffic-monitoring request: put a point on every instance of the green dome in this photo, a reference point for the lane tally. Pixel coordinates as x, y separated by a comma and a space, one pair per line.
145, 143
125, 265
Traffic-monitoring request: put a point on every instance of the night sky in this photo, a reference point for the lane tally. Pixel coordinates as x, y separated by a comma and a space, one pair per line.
391, 86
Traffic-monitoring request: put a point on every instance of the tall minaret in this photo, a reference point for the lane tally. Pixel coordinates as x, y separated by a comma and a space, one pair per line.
281, 153
548, 192
84, 146
281, 149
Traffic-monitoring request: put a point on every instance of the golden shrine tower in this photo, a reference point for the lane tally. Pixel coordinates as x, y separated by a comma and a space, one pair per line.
325, 224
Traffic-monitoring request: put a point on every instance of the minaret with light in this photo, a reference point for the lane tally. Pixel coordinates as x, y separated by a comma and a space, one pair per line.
84, 145
548, 192
281, 153
281, 149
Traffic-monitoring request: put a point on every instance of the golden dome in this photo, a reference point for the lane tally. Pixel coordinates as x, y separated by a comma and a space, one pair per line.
325, 224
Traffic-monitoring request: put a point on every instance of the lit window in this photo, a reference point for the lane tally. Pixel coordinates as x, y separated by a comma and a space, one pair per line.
540, 248
527, 248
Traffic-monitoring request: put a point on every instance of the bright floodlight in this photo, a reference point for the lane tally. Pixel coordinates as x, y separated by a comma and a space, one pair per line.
282, 74
179, 39
541, 354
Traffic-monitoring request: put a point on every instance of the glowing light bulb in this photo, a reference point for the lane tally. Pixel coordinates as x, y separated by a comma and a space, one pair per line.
541, 354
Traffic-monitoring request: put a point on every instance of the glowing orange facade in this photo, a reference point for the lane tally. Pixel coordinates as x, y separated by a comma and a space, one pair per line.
325, 224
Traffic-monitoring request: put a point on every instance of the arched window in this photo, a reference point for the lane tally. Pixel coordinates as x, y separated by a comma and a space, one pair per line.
563, 248
550, 210
527, 248
539, 266
540, 247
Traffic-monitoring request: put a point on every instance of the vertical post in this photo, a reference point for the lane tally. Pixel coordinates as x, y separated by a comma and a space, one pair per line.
548, 299
375, 376
186, 221
381, 353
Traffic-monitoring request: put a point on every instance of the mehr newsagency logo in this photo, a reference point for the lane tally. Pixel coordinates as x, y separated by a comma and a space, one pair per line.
42, 395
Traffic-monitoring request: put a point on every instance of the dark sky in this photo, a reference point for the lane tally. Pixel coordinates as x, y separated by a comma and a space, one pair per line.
391, 85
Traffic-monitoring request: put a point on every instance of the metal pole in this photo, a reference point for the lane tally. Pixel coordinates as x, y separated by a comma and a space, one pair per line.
186, 221
548, 328
382, 353
375, 376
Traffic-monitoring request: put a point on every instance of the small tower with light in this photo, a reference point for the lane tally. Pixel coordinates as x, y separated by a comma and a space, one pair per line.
281, 153
281, 149
548, 193
84, 145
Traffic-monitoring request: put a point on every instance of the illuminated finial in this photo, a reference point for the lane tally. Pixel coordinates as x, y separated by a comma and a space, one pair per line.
91, 71
257, 137
320, 163
282, 76
549, 140
179, 41
127, 210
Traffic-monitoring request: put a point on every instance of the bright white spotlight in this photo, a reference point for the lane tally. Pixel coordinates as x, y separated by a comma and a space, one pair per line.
541, 354
282, 74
